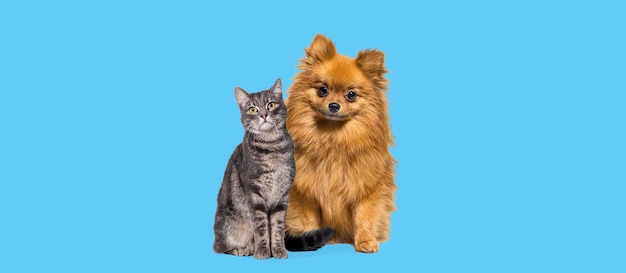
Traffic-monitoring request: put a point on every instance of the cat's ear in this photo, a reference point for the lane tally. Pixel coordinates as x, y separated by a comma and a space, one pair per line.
320, 50
371, 62
242, 97
277, 89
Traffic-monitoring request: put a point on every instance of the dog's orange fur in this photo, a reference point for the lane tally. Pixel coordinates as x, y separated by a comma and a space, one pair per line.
344, 170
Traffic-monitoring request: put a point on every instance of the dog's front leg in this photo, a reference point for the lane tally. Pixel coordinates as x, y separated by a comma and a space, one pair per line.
302, 214
371, 222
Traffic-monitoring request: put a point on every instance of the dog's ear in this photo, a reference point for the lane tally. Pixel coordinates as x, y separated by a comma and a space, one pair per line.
320, 50
372, 63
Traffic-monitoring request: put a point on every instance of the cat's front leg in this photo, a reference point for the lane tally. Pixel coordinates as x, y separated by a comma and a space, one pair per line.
260, 222
277, 222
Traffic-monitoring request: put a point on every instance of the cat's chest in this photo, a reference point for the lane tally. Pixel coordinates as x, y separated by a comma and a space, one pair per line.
276, 167
275, 179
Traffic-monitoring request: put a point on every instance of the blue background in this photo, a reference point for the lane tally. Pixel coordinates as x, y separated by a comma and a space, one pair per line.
117, 119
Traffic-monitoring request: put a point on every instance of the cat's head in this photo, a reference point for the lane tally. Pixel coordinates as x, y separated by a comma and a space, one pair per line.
263, 111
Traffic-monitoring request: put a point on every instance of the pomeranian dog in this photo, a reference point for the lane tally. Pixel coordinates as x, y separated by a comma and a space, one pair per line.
340, 127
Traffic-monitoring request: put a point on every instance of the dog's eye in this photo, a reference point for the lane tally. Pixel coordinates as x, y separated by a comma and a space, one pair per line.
322, 91
351, 96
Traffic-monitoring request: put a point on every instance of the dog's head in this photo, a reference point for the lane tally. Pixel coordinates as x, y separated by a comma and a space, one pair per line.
337, 86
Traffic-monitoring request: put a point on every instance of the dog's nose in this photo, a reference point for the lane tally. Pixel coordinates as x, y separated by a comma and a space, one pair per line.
333, 107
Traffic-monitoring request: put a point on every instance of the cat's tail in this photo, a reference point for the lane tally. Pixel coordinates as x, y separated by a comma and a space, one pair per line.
309, 241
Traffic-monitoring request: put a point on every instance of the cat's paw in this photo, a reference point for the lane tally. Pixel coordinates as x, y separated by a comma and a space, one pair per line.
241, 251
262, 253
366, 246
280, 253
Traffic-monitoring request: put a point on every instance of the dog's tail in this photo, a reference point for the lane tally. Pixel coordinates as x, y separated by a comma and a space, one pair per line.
309, 241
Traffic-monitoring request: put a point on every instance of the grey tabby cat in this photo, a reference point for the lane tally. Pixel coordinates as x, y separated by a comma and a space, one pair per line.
252, 201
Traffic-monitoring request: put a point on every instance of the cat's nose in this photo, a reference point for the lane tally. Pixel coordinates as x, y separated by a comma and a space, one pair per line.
264, 116
333, 107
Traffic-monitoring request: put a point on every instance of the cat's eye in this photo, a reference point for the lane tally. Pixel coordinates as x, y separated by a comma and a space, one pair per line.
322, 91
351, 96
271, 105
252, 110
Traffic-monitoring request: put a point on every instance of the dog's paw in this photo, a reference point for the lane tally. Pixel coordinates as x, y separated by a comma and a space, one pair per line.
367, 246
262, 253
